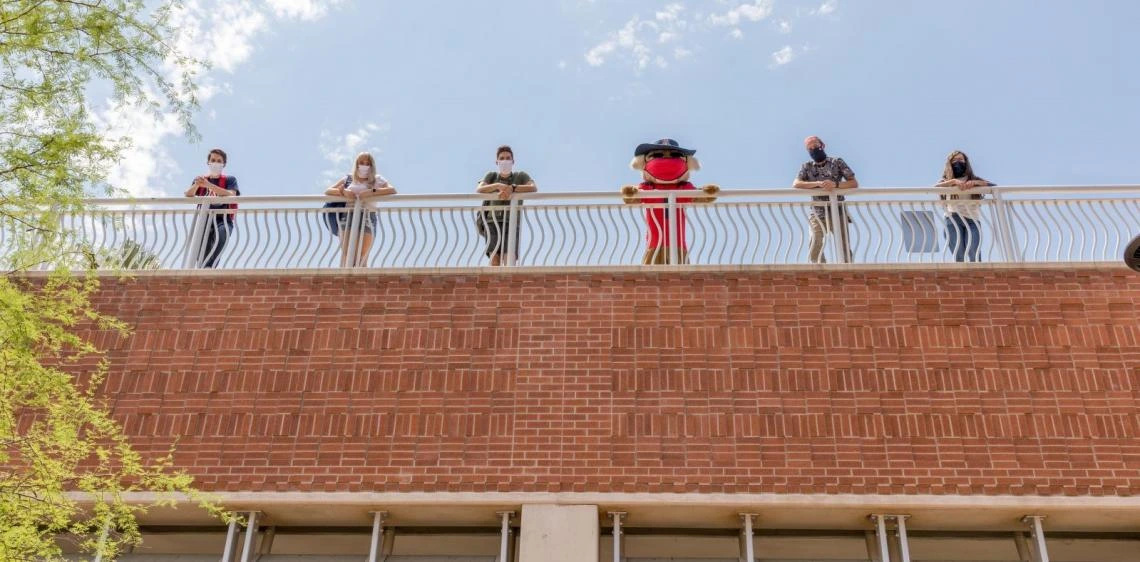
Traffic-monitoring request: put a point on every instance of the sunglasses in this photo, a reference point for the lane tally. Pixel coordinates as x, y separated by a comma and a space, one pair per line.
664, 154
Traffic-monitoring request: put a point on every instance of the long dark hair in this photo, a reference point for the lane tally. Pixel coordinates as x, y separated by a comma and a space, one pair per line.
948, 173
948, 170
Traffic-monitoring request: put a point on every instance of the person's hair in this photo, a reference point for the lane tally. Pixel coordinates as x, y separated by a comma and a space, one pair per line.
948, 170
219, 152
502, 149
371, 162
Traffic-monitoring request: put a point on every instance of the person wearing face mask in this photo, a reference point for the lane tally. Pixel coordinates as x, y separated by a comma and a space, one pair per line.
361, 183
665, 166
218, 225
825, 174
963, 211
494, 223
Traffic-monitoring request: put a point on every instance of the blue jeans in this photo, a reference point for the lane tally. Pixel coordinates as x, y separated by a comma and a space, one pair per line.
963, 237
217, 232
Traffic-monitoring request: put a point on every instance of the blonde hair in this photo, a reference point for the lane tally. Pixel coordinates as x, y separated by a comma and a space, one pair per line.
371, 173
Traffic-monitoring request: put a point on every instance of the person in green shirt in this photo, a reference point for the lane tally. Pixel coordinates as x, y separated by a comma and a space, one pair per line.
494, 220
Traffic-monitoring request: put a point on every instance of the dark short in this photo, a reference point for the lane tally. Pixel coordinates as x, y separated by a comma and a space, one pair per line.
496, 230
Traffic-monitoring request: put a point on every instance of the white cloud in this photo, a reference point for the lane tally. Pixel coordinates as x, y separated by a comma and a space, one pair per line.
306, 10
784, 26
640, 38
783, 56
826, 8
745, 12
341, 149
146, 163
146, 159
630, 39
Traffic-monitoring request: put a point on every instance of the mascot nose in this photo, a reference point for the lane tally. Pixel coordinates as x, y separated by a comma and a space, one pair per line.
667, 169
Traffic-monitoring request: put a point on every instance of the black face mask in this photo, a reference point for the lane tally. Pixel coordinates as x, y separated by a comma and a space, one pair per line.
959, 169
817, 154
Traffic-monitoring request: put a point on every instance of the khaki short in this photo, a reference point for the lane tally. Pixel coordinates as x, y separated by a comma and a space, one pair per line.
660, 256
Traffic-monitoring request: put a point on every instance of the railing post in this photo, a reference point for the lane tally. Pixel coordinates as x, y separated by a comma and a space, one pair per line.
671, 220
194, 258
102, 541
904, 542
354, 237
619, 554
1005, 236
377, 535
748, 552
505, 536
837, 230
1037, 533
512, 228
231, 541
250, 536
881, 534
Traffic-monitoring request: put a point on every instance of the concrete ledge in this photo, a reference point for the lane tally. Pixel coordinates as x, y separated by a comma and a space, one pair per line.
776, 511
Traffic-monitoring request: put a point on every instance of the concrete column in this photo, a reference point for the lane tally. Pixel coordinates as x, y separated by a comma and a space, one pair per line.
559, 533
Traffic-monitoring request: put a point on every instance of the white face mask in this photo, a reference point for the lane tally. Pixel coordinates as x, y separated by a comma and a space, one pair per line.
505, 166
215, 168
363, 170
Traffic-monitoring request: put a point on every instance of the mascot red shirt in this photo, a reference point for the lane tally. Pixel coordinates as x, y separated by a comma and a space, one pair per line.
665, 166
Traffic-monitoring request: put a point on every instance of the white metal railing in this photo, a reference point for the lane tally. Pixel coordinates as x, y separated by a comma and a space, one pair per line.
886, 226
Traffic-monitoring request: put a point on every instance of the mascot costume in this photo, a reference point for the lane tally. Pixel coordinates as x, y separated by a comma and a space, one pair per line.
665, 166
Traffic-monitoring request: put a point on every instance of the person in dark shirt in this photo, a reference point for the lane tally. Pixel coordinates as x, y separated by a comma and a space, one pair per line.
219, 224
495, 224
825, 174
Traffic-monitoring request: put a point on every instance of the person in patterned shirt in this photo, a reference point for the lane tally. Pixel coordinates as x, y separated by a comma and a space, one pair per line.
824, 175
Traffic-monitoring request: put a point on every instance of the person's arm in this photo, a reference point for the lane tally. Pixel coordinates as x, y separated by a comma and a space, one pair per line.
336, 189
849, 181
710, 192
804, 184
948, 183
380, 190
488, 185
978, 182
192, 191
526, 188
801, 181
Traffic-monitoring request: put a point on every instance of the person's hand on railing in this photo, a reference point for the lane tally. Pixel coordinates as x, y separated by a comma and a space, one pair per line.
505, 191
629, 194
711, 190
201, 182
827, 185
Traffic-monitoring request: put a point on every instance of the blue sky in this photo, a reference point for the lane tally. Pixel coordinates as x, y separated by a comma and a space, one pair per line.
1036, 92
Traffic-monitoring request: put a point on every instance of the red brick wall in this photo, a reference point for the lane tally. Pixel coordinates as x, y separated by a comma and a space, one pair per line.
919, 382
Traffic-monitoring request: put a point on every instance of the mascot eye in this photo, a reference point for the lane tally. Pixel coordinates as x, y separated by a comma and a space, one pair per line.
655, 155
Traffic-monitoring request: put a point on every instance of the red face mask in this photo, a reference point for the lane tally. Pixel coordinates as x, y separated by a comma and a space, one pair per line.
667, 169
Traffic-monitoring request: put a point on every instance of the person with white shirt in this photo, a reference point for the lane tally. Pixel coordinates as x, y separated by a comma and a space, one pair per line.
362, 183
963, 211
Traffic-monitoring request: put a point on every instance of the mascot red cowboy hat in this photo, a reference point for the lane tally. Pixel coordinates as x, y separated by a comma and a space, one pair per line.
665, 166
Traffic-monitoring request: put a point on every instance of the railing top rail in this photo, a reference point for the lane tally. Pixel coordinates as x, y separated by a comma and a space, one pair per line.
615, 195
